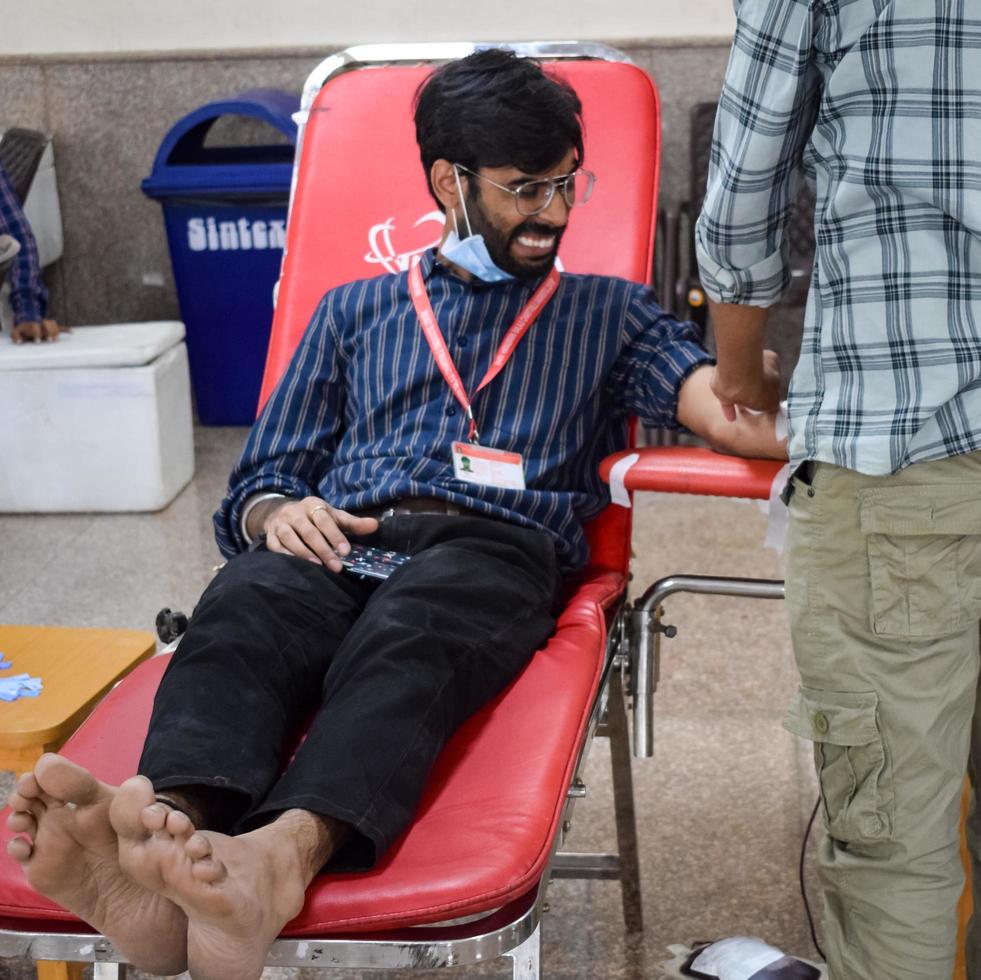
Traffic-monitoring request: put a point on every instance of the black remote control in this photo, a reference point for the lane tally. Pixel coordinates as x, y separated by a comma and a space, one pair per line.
372, 562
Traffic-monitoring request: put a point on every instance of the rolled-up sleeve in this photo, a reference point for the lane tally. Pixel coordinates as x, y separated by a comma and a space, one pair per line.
293, 441
659, 354
766, 113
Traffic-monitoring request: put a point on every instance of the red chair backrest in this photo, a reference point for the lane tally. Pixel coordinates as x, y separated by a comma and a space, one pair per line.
361, 205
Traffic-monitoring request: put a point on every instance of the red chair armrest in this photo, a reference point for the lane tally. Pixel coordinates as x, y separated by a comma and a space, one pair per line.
691, 469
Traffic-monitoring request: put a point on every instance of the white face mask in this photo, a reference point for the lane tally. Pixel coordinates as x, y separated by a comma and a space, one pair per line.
470, 253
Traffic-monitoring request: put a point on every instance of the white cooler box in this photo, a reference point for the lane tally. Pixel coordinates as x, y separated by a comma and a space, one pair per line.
99, 420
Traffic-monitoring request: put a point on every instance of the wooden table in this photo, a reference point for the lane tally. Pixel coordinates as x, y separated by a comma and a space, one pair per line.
76, 666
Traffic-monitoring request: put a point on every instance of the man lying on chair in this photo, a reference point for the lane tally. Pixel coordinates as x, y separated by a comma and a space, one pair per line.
202, 859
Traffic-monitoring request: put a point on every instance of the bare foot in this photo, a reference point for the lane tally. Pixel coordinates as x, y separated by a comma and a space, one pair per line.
237, 892
70, 854
241, 892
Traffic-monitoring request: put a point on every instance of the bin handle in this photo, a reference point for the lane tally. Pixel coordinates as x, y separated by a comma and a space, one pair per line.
269, 105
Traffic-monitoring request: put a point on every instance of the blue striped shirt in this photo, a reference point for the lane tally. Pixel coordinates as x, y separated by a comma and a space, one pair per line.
363, 415
880, 102
28, 297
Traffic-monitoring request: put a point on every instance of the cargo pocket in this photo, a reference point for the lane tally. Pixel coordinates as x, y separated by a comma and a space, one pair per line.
924, 552
850, 760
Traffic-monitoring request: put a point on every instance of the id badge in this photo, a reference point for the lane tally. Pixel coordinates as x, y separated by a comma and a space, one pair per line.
488, 467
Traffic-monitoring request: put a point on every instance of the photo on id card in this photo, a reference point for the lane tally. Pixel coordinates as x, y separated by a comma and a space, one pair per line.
488, 467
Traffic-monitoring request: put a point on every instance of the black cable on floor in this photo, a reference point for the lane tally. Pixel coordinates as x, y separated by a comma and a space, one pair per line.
803, 888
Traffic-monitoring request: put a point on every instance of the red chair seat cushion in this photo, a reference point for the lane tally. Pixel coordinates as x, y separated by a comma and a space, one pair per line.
489, 814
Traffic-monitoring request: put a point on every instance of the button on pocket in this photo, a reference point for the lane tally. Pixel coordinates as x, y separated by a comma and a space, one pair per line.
850, 760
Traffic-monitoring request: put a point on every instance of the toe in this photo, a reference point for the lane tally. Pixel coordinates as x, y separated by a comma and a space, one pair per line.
198, 847
68, 782
26, 804
27, 786
208, 870
154, 816
28, 795
179, 824
126, 811
22, 822
20, 849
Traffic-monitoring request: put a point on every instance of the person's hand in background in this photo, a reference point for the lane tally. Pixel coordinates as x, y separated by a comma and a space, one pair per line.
36, 332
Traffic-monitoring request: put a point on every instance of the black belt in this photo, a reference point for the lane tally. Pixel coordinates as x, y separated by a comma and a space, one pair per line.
417, 506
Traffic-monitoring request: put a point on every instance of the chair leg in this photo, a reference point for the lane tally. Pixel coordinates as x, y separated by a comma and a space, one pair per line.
528, 957
55, 970
623, 803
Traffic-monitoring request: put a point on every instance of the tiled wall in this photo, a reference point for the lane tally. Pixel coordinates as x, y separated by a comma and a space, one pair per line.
108, 116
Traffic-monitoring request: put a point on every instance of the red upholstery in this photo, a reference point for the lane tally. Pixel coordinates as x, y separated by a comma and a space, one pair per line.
487, 818
690, 469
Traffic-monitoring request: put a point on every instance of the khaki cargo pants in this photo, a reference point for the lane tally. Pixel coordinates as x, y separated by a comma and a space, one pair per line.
884, 596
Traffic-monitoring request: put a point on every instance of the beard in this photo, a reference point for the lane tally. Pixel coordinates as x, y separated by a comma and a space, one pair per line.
499, 242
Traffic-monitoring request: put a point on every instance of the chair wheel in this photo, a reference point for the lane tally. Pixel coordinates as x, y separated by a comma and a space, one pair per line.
170, 625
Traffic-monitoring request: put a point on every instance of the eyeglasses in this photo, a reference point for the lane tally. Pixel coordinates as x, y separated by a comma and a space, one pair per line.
534, 196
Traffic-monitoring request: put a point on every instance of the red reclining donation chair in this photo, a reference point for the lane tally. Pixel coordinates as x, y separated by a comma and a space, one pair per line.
499, 800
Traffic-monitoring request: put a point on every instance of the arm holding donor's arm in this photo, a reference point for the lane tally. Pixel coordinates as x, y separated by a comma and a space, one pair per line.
745, 434
766, 114
274, 489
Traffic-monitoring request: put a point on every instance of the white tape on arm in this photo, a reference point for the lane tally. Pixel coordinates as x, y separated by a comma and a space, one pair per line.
778, 516
618, 478
781, 421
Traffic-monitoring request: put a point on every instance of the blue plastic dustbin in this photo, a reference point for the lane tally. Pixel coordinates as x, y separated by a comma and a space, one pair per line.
225, 212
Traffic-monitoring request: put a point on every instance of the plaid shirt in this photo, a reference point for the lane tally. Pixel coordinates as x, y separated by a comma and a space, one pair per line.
363, 415
28, 297
879, 102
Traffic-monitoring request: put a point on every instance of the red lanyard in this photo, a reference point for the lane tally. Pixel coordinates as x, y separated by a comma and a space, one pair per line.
427, 318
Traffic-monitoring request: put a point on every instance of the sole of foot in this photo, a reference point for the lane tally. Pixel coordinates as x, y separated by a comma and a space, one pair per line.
237, 893
70, 853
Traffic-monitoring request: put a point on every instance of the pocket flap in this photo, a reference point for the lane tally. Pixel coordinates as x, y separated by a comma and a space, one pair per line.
950, 509
837, 717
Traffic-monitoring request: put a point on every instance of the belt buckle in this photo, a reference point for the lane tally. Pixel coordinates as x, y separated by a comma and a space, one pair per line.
435, 508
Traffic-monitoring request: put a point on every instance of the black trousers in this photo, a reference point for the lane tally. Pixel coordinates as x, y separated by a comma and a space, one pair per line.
383, 673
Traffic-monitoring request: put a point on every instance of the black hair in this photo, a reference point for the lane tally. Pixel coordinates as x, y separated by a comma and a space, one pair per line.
496, 109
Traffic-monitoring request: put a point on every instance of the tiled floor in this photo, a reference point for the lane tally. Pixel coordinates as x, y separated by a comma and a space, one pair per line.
721, 806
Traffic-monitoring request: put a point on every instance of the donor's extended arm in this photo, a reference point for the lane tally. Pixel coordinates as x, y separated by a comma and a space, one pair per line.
750, 434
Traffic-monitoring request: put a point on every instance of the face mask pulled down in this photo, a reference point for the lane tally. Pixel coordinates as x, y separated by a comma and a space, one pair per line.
471, 253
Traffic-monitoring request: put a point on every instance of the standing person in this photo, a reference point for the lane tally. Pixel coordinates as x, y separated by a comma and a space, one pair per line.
28, 297
877, 101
